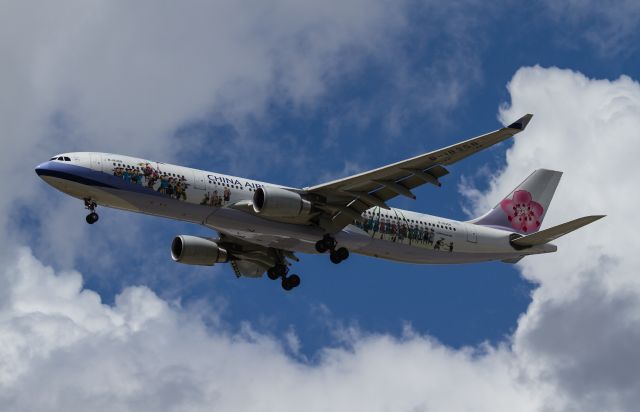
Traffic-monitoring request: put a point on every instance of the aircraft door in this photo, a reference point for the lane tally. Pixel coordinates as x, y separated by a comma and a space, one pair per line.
96, 161
472, 235
199, 180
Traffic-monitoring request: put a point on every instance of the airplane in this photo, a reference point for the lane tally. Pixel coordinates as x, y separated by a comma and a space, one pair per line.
261, 226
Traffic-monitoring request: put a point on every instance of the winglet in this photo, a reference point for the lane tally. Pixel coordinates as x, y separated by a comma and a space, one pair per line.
521, 123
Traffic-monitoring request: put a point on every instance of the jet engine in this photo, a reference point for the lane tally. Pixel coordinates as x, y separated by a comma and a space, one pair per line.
277, 202
195, 250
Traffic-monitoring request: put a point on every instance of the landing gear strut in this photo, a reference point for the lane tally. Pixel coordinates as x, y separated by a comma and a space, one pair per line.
91, 205
277, 271
281, 270
329, 243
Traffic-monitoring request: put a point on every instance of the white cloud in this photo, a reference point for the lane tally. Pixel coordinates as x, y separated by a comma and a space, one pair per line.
64, 349
581, 331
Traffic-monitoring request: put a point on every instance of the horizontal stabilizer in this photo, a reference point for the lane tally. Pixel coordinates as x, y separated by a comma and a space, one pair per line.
547, 235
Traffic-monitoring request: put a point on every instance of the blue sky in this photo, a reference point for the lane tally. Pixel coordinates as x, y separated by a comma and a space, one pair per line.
298, 93
458, 305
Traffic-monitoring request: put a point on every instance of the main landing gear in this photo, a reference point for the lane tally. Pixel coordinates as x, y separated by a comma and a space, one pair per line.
91, 205
329, 243
281, 270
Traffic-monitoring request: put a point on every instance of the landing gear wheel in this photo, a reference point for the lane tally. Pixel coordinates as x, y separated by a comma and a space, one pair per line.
339, 255
294, 280
320, 246
271, 272
342, 253
329, 242
326, 243
290, 282
286, 285
92, 218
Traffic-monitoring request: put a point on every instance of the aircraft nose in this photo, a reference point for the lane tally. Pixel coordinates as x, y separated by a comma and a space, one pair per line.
42, 168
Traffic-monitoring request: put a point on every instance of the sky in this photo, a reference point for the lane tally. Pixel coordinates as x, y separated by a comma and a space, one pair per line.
300, 92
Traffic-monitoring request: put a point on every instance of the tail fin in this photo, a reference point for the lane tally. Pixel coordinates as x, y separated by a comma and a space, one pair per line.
547, 235
524, 209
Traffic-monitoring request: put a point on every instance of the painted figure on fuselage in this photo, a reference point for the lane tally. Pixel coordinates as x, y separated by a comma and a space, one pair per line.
143, 174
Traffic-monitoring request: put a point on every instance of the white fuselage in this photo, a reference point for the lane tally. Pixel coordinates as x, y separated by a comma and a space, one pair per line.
220, 202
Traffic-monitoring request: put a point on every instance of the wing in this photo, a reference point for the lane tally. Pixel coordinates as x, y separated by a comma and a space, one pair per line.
344, 200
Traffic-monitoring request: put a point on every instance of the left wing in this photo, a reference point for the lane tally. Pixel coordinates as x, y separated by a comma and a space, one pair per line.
251, 259
343, 200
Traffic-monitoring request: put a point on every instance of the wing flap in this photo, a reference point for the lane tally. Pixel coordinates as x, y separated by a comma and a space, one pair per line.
548, 235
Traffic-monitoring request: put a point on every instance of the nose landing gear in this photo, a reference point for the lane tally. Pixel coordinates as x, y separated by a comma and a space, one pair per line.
329, 243
91, 205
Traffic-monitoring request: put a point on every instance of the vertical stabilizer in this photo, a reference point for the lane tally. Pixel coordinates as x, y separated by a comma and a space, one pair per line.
525, 207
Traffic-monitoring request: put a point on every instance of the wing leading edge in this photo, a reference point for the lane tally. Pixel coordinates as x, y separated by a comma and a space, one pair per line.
343, 200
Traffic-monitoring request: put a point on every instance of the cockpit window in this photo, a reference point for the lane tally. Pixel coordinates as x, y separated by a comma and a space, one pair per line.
67, 159
53, 158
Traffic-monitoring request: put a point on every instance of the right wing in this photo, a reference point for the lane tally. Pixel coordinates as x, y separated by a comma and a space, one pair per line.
344, 200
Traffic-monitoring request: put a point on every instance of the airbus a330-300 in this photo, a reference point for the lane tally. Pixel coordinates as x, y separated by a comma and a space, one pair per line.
261, 226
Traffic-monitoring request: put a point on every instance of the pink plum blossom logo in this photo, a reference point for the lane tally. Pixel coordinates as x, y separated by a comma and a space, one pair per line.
523, 212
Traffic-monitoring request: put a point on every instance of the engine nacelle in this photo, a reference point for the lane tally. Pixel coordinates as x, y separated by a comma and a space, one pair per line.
276, 202
194, 250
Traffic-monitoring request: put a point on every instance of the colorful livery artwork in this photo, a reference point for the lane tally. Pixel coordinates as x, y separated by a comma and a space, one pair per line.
143, 174
397, 228
216, 199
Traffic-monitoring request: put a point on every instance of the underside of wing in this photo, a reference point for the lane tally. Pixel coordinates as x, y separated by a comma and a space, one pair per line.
343, 200
248, 269
250, 259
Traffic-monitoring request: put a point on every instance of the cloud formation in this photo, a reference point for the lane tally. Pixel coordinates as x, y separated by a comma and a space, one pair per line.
581, 331
64, 349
